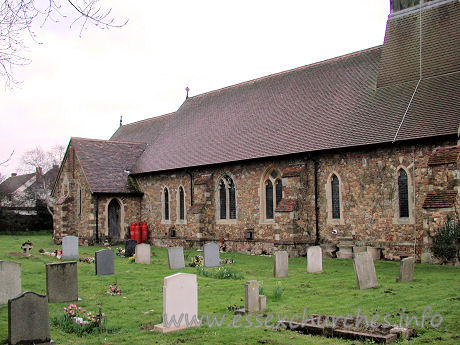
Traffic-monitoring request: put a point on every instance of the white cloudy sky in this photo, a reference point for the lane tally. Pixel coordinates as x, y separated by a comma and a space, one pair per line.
80, 86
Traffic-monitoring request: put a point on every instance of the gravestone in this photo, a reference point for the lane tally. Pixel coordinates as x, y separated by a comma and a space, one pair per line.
28, 319
70, 248
143, 254
62, 281
406, 270
280, 264
130, 248
314, 260
176, 258
251, 297
10, 280
366, 277
426, 258
180, 297
104, 262
376, 253
211, 255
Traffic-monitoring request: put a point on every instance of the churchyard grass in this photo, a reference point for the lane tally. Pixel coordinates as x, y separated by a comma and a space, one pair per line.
333, 292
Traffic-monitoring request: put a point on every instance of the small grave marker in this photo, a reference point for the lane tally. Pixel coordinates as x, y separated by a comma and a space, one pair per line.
314, 259
211, 255
130, 248
366, 277
143, 254
176, 258
28, 319
70, 248
180, 300
281, 264
104, 262
10, 280
406, 270
62, 281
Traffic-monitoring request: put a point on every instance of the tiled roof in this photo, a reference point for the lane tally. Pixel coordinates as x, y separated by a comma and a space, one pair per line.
107, 164
293, 170
324, 106
444, 156
286, 205
440, 199
49, 178
11, 184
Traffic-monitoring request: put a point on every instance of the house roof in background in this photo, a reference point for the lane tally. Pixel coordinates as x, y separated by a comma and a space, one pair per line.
49, 178
12, 183
107, 164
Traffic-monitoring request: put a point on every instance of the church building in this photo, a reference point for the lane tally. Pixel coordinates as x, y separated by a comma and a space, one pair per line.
358, 150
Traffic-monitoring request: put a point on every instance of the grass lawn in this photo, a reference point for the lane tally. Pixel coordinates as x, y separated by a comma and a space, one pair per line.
333, 292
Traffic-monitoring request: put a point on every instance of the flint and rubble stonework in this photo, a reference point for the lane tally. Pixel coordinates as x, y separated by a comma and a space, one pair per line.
369, 199
67, 217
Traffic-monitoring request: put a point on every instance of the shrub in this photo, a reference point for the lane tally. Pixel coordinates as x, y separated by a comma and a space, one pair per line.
278, 291
261, 290
446, 243
220, 273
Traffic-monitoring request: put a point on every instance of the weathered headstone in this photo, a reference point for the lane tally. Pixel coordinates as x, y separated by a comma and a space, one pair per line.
28, 319
366, 277
130, 248
281, 264
70, 248
375, 253
406, 270
314, 260
211, 255
143, 254
176, 258
251, 297
10, 280
262, 303
359, 249
104, 262
62, 281
426, 258
180, 300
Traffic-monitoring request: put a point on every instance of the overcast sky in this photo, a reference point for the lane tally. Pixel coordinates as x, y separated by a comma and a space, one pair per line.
81, 86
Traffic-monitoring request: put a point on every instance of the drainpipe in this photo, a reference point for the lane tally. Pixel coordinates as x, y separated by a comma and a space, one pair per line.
415, 203
191, 186
316, 164
97, 218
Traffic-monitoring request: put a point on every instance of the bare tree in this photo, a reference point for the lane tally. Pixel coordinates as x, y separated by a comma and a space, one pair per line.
18, 16
5, 162
2, 178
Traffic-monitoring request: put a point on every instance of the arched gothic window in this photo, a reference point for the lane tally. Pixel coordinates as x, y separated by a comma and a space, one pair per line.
181, 204
227, 198
403, 194
273, 193
166, 204
335, 189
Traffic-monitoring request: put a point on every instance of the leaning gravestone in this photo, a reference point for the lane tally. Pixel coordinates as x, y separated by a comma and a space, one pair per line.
62, 281
281, 264
10, 280
365, 271
314, 259
176, 258
406, 270
28, 319
130, 248
211, 255
70, 248
426, 258
180, 300
104, 262
143, 254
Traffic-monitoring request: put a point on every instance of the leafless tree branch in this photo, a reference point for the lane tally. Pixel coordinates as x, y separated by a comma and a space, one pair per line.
17, 17
7, 160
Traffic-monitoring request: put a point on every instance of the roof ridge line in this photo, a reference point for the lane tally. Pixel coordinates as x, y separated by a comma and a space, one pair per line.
289, 71
109, 141
149, 118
